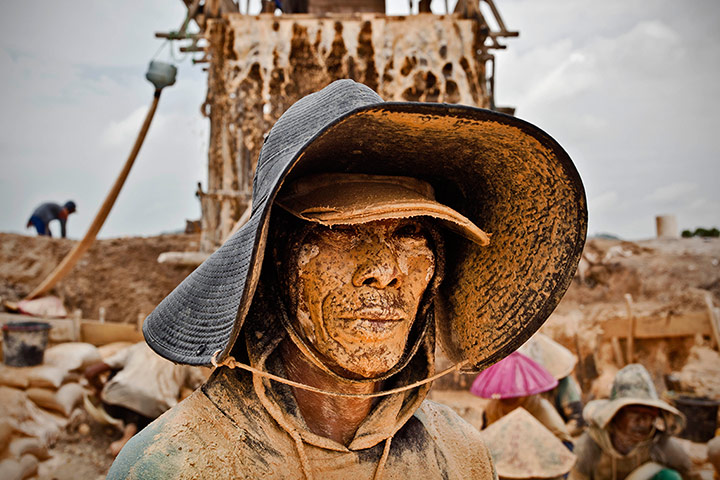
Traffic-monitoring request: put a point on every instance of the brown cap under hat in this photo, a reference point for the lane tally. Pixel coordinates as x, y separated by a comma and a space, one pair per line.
352, 198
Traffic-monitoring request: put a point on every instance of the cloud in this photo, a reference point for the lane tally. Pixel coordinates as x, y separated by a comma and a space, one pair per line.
674, 192
629, 91
572, 75
604, 202
124, 132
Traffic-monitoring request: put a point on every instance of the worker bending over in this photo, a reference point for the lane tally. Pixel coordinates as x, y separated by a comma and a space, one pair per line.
41, 217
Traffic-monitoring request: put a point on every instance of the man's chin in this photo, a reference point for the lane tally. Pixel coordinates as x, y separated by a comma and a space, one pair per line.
367, 374
640, 437
368, 365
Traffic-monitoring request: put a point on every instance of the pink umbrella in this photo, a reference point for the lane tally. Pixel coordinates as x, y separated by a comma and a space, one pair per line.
514, 376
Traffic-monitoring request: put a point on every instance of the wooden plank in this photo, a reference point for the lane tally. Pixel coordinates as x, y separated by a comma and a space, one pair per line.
631, 330
619, 360
103, 333
685, 325
713, 318
91, 331
184, 259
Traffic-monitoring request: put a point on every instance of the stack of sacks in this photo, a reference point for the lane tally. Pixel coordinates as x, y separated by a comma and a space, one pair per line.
37, 402
110, 349
25, 430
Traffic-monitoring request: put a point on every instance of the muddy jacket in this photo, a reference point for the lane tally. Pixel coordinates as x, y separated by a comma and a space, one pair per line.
245, 427
598, 459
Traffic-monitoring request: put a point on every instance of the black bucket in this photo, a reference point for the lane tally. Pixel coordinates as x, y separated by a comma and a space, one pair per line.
701, 415
24, 343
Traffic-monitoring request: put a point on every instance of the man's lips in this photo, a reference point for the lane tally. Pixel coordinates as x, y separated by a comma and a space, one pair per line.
375, 315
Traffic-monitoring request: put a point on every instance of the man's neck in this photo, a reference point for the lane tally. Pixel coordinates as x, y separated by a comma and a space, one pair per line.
337, 418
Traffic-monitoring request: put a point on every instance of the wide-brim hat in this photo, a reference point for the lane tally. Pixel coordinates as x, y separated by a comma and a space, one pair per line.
522, 447
514, 376
556, 359
632, 386
505, 175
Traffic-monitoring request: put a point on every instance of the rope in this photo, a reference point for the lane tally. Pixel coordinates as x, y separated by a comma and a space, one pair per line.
162, 45
383, 460
304, 462
277, 414
230, 362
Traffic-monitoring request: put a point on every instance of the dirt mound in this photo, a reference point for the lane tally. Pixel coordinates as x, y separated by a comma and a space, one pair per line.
665, 271
121, 274
665, 278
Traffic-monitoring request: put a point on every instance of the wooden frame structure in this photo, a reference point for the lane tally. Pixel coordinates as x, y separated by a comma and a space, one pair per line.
258, 65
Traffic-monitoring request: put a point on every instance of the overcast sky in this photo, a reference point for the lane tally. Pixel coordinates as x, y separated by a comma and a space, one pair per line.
628, 87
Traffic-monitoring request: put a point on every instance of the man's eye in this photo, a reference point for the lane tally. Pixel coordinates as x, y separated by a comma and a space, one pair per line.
410, 230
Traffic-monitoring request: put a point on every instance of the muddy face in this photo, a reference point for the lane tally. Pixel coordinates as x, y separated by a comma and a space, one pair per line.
631, 425
355, 291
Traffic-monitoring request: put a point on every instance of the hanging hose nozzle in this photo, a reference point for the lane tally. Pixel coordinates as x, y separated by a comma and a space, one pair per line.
161, 74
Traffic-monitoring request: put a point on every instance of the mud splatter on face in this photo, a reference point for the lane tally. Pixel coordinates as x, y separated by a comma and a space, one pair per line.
358, 289
632, 425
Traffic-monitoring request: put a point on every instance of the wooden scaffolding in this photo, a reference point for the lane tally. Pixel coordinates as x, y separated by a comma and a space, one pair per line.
259, 65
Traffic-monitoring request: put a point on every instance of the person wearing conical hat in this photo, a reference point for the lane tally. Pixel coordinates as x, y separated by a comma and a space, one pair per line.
560, 362
630, 434
517, 382
522, 448
367, 242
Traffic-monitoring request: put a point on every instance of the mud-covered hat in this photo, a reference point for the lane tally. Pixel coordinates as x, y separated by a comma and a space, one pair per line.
503, 174
556, 359
632, 386
522, 447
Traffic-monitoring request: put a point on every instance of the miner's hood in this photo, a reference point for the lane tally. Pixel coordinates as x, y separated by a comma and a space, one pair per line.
504, 174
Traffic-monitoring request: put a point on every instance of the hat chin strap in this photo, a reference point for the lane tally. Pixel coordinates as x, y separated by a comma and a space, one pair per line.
230, 362
311, 353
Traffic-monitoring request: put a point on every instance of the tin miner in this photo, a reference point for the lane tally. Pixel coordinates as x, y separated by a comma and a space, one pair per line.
367, 243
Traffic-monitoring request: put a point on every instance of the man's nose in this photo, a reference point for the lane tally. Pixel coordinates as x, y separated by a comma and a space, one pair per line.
647, 421
379, 269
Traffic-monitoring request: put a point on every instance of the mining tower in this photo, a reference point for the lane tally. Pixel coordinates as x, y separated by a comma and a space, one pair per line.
259, 65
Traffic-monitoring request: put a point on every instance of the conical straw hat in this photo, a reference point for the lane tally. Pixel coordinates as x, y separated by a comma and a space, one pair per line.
521, 447
556, 359
514, 376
